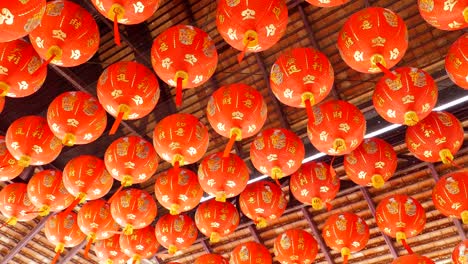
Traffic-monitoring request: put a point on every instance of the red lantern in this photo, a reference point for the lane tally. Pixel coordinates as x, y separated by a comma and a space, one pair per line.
236, 111
337, 128
460, 253
15, 204
185, 57
76, 118
450, 195
456, 62
373, 38
405, 96
436, 138
400, 216
251, 26
2, 103
327, 3
133, 209
142, 244
413, 258
216, 219
295, 246
277, 152
31, 141
9, 167
21, 73
128, 91
313, 184
62, 231
251, 253
372, 163
180, 139
47, 192
262, 202
445, 15
210, 259
178, 190
176, 232
67, 35
345, 232
223, 177
109, 251
18, 18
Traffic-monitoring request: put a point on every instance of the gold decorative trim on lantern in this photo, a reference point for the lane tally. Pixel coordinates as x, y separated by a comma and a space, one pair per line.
128, 229
446, 156
127, 181
45, 210
276, 173
345, 252
4, 89
178, 158
374, 59
60, 248
317, 203
236, 131
12, 221
172, 249
183, 75
400, 236
214, 237
411, 118
261, 222
250, 38
55, 51
464, 217
69, 140
116, 10
24, 161
339, 145
174, 210
221, 196
125, 109
307, 96
377, 181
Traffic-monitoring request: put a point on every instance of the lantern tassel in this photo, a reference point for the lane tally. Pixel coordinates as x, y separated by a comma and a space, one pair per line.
117, 122
136, 259
44, 65
57, 256
176, 167
310, 112
241, 55
116, 30
386, 71
91, 237
78, 199
345, 259
229, 145
406, 246
329, 206
115, 194
332, 170
179, 91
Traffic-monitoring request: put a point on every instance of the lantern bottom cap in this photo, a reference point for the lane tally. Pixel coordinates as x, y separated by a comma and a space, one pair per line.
317, 203
345, 252
446, 156
377, 181
411, 118
4, 89
464, 217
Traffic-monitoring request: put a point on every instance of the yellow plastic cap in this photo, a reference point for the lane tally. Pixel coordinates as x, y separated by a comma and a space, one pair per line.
411, 118
317, 203
377, 181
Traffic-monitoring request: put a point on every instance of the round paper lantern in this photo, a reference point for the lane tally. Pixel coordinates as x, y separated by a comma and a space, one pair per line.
337, 128
2, 103
180, 139
210, 259
76, 118
277, 152
223, 177
405, 96
327, 3
21, 73
185, 57
108, 250
216, 219
15, 204
413, 258
450, 195
372, 163
128, 91
436, 138
30, 140
373, 38
313, 184
18, 18
460, 253
142, 244
400, 216
456, 62
251, 253
48, 193
295, 246
67, 35
445, 15
262, 202
346, 232
9, 167
176, 232
236, 111
178, 190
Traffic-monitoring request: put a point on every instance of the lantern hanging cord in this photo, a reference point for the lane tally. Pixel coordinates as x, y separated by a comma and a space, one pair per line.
81, 198
44, 65
406, 246
58, 250
116, 30
310, 112
236, 134
179, 91
91, 238
241, 56
386, 71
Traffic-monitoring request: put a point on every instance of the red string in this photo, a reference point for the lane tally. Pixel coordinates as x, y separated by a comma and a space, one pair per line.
115, 194
179, 91
408, 248
241, 55
310, 112
71, 206
176, 167
88, 247
116, 124
455, 164
44, 65
33, 212
329, 206
345, 259
116, 30
332, 170
229, 145
57, 256
386, 71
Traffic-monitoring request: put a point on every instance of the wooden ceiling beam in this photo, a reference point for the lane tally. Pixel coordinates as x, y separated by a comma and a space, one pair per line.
318, 236
254, 232
71, 253
206, 247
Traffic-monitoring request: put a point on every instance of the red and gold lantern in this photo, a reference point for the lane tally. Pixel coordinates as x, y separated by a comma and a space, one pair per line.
295, 246
142, 244
216, 219
2, 103
251, 253
210, 259
456, 62
327, 3
109, 250
19, 18
460, 253
176, 232
450, 195
413, 258
445, 15
9, 167
15, 204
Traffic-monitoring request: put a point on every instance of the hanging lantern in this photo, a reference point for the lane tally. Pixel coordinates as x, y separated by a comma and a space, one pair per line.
450, 195
108, 250
314, 184
413, 258
76, 118
216, 219
19, 18
372, 163
223, 177
250, 253
372, 39
262, 202
436, 138
251, 26
67, 35
210, 259
142, 244
20, 69
176, 232
400, 216
327, 3
2, 103
405, 96
456, 62
31, 141
62, 231
15, 204
178, 190
277, 152
9, 167
460, 253
133, 209
295, 246
346, 232
445, 15
236, 111
337, 128
180, 139
185, 57
48, 193
128, 91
